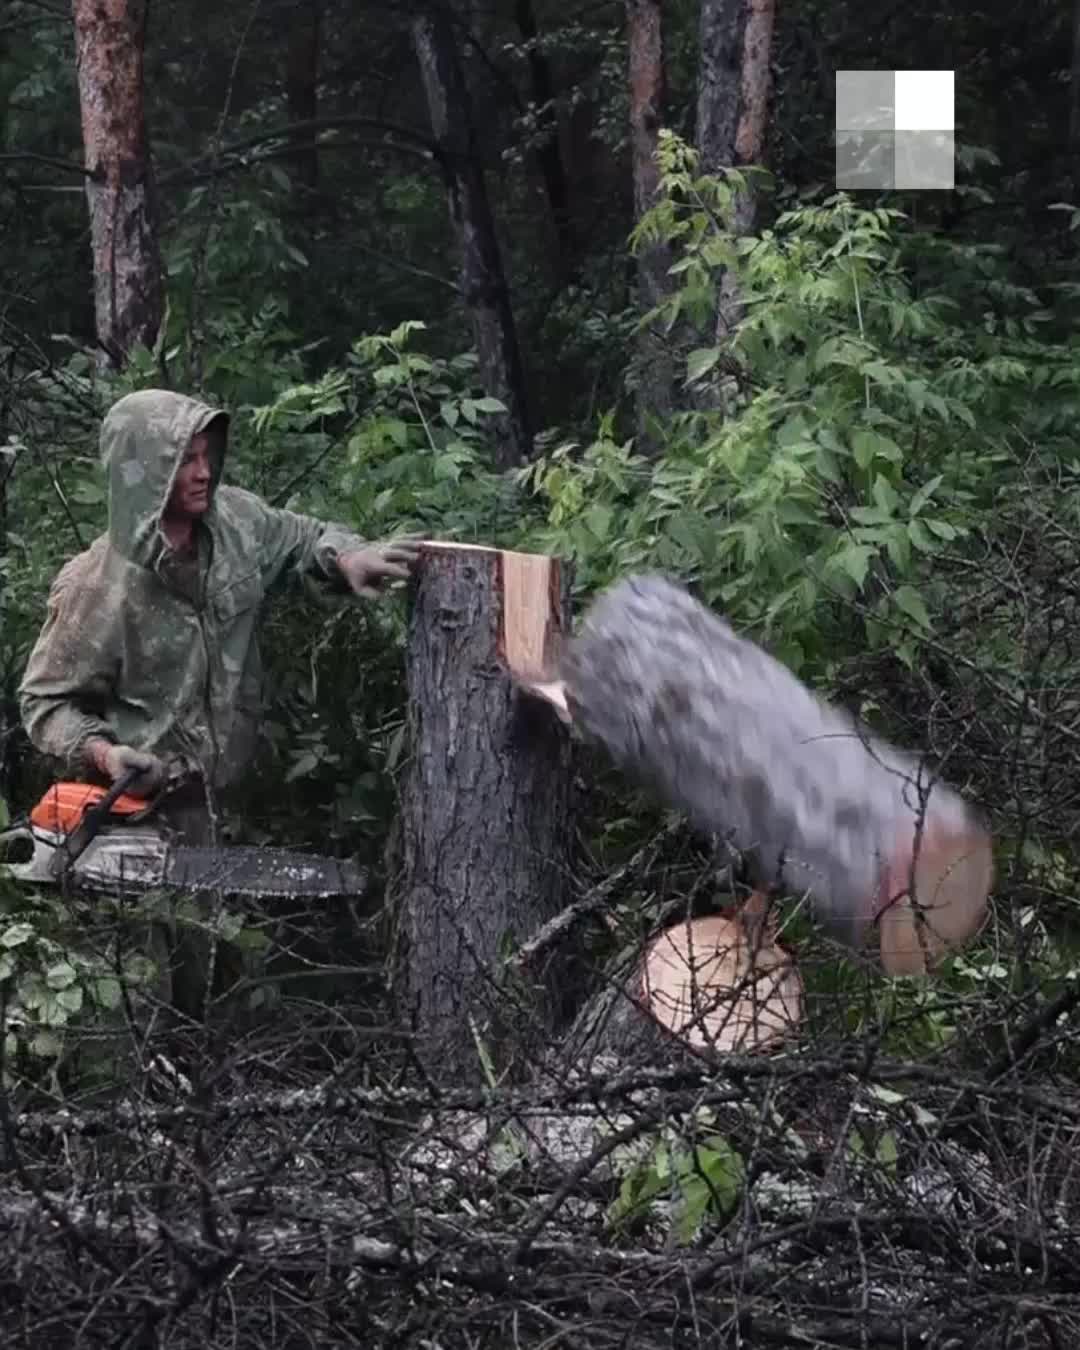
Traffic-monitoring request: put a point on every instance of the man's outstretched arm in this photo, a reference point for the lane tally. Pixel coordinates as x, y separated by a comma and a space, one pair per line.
289, 540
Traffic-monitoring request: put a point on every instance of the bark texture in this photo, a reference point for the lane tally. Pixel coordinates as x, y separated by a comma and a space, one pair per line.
548, 150
302, 85
128, 283
483, 281
735, 44
484, 820
647, 95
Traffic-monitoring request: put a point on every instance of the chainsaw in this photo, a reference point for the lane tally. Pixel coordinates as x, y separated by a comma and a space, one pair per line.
106, 840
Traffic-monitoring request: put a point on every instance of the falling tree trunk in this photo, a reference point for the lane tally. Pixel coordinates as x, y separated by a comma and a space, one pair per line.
548, 152
735, 42
302, 86
128, 286
655, 353
485, 807
483, 282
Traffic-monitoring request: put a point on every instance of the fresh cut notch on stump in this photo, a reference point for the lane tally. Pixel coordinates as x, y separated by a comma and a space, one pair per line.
723, 731
484, 823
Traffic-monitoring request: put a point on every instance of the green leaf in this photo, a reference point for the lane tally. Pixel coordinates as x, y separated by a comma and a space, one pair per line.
885, 495
108, 993
700, 362
924, 494
724, 1167
71, 999
489, 405
910, 602
887, 1152
598, 518
46, 1045
854, 561
16, 935
306, 764
398, 432
870, 445
60, 976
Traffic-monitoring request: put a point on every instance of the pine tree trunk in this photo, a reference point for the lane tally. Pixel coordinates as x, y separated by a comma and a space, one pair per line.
302, 85
485, 813
483, 281
548, 151
128, 284
656, 359
735, 45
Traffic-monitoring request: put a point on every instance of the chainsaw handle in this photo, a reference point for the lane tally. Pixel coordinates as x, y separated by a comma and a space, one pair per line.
103, 807
81, 836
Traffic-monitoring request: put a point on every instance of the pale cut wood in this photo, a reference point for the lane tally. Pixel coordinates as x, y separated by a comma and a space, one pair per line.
721, 986
951, 880
530, 626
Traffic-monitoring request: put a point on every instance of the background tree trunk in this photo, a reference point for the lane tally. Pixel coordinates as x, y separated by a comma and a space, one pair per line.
128, 285
735, 38
485, 815
656, 361
302, 85
548, 151
483, 282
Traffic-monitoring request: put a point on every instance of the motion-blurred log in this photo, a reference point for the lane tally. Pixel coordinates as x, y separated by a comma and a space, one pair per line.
726, 733
713, 984
486, 799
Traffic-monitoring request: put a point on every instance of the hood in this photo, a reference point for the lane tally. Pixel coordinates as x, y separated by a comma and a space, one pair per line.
143, 439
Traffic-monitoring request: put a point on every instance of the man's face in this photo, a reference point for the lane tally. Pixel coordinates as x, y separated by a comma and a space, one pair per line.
190, 497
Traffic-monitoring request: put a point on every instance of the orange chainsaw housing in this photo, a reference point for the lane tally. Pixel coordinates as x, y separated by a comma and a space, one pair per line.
64, 805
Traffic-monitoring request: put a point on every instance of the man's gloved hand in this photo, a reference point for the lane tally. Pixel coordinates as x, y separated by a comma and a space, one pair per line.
115, 760
366, 569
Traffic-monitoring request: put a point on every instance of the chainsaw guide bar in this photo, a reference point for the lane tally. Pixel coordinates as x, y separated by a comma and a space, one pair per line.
131, 859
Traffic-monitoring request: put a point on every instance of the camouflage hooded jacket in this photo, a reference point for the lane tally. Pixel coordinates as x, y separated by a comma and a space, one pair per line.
143, 651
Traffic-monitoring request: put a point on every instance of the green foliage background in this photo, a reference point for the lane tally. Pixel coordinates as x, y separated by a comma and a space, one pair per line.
878, 479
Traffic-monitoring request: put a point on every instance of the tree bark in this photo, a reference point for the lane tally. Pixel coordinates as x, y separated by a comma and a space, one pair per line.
735, 42
548, 151
485, 815
128, 283
302, 86
656, 363
483, 281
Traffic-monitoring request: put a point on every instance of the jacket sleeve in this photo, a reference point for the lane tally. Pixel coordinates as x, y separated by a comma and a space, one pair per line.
289, 541
69, 677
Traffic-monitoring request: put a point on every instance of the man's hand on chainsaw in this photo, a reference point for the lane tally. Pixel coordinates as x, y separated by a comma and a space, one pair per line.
367, 569
116, 760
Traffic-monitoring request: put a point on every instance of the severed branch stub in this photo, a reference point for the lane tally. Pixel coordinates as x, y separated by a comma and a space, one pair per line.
724, 732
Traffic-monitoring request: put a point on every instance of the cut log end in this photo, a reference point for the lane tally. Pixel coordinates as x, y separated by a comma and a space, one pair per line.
935, 903
718, 987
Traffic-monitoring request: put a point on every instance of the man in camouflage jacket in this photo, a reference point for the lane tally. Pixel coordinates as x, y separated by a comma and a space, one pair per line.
148, 652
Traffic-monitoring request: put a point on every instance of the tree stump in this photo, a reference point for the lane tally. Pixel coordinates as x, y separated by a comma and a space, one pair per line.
485, 812
713, 985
